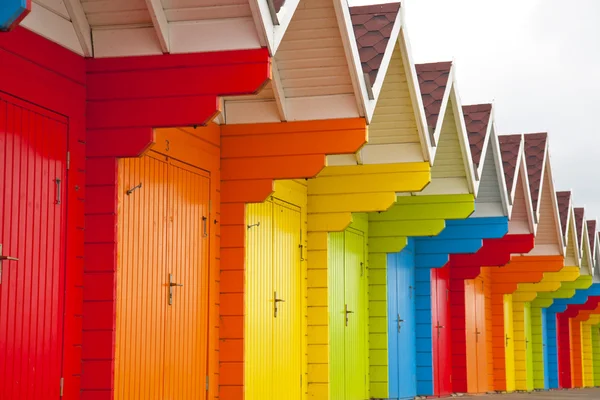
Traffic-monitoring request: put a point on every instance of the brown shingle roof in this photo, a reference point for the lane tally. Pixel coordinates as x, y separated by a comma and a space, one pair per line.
477, 118
433, 79
509, 149
579, 215
278, 4
563, 199
591, 225
373, 29
535, 150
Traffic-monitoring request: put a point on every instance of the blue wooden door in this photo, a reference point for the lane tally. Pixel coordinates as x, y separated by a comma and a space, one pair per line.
401, 324
545, 350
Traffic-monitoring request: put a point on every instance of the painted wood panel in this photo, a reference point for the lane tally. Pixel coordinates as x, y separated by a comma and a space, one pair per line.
441, 331
33, 146
587, 355
316, 43
489, 187
547, 232
520, 215
595, 339
509, 335
476, 336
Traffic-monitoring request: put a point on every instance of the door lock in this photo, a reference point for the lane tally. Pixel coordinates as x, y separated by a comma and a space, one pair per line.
275, 302
506, 340
171, 286
5, 258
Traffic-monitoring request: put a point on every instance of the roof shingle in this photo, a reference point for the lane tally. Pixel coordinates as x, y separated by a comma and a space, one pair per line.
373, 28
564, 200
535, 151
477, 119
509, 150
433, 79
278, 4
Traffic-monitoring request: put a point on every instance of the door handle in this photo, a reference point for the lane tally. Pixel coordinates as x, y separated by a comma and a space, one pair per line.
275, 302
171, 286
5, 258
506, 341
400, 321
346, 311
204, 226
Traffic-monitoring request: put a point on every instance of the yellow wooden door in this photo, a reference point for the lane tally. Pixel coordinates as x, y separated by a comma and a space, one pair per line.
273, 330
161, 330
258, 328
186, 340
509, 343
287, 324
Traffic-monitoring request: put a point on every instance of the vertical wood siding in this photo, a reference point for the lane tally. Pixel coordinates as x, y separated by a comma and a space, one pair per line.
33, 153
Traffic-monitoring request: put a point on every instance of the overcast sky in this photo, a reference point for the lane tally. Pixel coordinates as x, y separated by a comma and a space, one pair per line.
537, 60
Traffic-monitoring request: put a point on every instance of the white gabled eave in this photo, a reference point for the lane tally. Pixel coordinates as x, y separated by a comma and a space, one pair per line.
342, 12
270, 34
548, 169
571, 235
385, 63
586, 251
533, 225
463, 137
494, 146
415, 95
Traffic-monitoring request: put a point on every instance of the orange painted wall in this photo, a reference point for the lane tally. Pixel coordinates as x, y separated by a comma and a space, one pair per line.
252, 157
521, 269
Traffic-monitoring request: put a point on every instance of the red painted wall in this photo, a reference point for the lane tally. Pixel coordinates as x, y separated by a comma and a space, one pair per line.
40, 72
494, 252
127, 98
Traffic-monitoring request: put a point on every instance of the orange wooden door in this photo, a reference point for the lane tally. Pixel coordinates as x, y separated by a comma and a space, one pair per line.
186, 339
161, 331
477, 379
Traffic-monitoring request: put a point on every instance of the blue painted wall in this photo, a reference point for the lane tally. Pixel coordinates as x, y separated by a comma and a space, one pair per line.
558, 306
11, 12
459, 237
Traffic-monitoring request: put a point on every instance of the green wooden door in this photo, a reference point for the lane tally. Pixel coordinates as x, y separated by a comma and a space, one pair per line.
529, 347
347, 316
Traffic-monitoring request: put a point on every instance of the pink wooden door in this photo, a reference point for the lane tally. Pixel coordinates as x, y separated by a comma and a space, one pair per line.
442, 363
33, 152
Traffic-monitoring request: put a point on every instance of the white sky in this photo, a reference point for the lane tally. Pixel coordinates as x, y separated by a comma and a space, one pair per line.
537, 60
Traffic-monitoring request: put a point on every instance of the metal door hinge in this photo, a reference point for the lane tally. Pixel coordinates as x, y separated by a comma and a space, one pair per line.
68, 160
62, 386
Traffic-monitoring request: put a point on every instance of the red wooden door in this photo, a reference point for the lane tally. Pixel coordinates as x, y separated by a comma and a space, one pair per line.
33, 152
440, 311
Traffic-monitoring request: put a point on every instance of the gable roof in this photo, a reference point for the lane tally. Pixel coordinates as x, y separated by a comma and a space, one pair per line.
433, 81
373, 29
564, 201
535, 151
510, 148
477, 119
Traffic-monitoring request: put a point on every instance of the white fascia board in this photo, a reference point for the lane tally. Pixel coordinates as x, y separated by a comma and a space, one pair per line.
494, 147
463, 138
572, 229
548, 170
366, 106
270, 34
415, 95
161, 25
